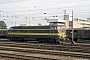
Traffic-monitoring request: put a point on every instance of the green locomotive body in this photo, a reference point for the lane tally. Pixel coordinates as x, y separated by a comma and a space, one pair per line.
41, 35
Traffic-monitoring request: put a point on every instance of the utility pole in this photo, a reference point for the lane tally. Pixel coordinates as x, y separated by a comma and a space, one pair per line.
72, 41
15, 23
29, 17
65, 19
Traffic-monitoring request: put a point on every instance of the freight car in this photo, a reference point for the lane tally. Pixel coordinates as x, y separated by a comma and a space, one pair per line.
78, 34
35, 33
3, 33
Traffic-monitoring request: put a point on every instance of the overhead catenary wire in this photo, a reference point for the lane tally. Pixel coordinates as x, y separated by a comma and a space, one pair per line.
11, 1
37, 13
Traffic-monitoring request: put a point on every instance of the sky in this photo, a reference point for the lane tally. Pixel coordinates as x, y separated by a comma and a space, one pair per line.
33, 11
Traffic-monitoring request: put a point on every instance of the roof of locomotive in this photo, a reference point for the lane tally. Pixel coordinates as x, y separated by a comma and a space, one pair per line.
32, 27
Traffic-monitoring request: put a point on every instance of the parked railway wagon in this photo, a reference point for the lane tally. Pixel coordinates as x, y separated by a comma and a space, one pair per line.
78, 33
3, 33
30, 33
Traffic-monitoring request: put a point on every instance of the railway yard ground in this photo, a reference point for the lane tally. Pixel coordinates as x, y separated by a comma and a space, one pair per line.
44, 51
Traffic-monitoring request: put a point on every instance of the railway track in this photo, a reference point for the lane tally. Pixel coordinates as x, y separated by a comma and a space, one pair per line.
46, 49
42, 51
26, 56
79, 47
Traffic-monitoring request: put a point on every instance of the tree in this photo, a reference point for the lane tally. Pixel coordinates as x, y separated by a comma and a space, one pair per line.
3, 25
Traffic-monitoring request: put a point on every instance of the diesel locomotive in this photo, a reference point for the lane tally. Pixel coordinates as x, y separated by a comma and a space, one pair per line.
34, 33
